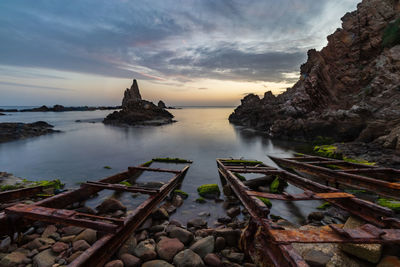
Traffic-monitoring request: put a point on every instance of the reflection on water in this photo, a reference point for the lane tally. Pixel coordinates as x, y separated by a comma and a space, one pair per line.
82, 149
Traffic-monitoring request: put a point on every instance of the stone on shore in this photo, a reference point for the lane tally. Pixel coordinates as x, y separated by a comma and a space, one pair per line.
130, 260
183, 235
129, 246
203, 246
167, 248
89, 235
157, 263
197, 223
114, 263
213, 260
146, 250
13, 259
110, 205
46, 258
187, 258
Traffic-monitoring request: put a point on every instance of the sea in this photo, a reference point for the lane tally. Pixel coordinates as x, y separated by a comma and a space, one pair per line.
84, 146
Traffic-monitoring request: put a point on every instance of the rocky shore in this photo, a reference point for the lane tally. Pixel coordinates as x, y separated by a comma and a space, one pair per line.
60, 108
11, 131
348, 92
136, 111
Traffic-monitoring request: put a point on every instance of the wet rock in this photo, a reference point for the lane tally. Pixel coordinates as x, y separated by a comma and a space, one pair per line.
203, 246
183, 235
5, 243
233, 212
115, 263
230, 235
204, 214
67, 238
141, 236
167, 248
175, 222
128, 247
368, 252
89, 235
39, 242
81, 245
86, 209
160, 214
316, 216
46, 258
13, 259
157, 263
187, 258
110, 205
10, 131
145, 250
72, 230
59, 247
197, 223
233, 256
49, 230
169, 207
212, 259
130, 260
177, 201
317, 258
219, 243
224, 219
389, 261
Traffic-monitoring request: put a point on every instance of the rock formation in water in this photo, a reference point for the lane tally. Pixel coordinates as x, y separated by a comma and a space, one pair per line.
136, 111
11, 131
161, 104
60, 108
348, 91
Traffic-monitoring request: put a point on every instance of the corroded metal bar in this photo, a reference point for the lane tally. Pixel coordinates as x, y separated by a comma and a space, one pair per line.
62, 216
120, 187
104, 248
297, 197
11, 195
379, 186
153, 169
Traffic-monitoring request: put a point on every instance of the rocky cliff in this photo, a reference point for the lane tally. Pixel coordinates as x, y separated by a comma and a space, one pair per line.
348, 91
136, 111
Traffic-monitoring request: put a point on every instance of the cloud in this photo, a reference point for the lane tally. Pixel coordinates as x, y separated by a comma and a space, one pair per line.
35, 86
174, 40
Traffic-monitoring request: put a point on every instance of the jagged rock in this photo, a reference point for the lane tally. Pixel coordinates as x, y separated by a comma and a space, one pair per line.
188, 258
343, 90
11, 131
161, 104
167, 248
203, 246
136, 111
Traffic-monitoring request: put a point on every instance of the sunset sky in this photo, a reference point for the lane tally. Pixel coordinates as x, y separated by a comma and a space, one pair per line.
186, 52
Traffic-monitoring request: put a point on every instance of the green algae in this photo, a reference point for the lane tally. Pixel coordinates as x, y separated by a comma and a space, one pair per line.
126, 183
324, 206
209, 190
266, 201
181, 193
239, 176
241, 161
390, 203
107, 167
201, 200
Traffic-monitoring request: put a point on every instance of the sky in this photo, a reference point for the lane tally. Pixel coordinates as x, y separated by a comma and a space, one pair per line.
185, 52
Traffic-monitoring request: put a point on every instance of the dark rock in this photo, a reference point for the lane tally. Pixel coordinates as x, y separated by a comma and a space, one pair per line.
219, 243
203, 246
224, 219
136, 111
157, 263
110, 205
233, 256
183, 235
145, 250
316, 216
114, 263
161, 104
317, 258
167, 248
160, 214
187, 258
233, 212
197, 223
11, 131
130, 260
231, 236
212, 260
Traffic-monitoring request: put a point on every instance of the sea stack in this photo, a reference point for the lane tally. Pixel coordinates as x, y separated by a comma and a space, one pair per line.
136, 111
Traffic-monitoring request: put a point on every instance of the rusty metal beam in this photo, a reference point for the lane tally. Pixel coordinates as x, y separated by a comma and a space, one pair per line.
62, 216
153, 169
99, 253
121, 188
11, 195
379, 186
297, 197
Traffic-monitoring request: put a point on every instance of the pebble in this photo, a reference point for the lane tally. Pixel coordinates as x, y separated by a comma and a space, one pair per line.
115, 263
203, 246
167, 248
130, 260
212, 259
187, 258
197, 223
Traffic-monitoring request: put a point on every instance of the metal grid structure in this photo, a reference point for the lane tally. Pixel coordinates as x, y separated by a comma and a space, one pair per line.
270, 245
113, 232
383, 181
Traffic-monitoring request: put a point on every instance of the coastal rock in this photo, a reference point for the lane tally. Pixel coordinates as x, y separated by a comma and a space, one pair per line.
115, 263
89, 235
11, 131
46, 258
110, 205
130, 260
203, 246
161, 104
146, 250
157, 263
136, 111
183, 235
343, 90
167, 248
188, 258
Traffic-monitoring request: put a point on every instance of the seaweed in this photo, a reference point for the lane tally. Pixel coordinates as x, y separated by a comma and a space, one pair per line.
239, 176
107, 167
208, 190
201, 200
328, 151
241, 161
56, 183
8, 187
172, 160
277, 186
147, 164
324, 206
359, 161
390, 203
181, 193
266, 201
126, 183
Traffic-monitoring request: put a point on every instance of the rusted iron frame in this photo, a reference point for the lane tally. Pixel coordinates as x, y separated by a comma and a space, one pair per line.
298, 197
121, 188
104, 248
306, 158
153, 169
280, 254
275, 253
16, 194
384, 188
62, 216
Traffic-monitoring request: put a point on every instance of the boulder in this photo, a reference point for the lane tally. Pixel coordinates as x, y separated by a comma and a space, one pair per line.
46, 258
167, 248
368, 252
128, 247
212, 259
130, 260
110, 205
203, 246
14, 259
146, 250
187, 258
183, 235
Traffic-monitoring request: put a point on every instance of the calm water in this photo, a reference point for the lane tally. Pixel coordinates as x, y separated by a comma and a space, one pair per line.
81, 150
